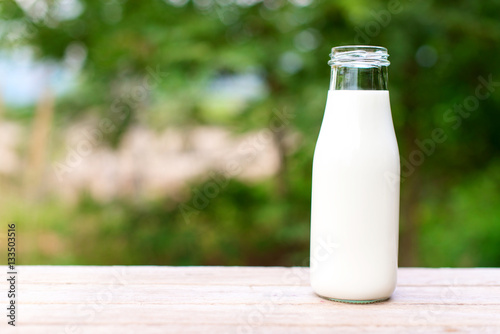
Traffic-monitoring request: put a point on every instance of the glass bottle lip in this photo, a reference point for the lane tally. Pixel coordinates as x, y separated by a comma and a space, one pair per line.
359, 56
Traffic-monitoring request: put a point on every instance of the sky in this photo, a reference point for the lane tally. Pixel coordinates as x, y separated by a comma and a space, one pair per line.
23, 79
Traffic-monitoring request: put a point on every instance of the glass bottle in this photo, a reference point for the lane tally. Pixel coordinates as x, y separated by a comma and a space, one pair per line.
355, 182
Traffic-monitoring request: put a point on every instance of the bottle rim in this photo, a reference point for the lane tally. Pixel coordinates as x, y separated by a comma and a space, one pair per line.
359, 56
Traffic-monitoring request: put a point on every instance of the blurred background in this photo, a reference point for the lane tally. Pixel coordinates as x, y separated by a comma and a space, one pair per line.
182, 132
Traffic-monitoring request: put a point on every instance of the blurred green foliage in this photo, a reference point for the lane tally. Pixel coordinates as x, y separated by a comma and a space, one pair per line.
449, 204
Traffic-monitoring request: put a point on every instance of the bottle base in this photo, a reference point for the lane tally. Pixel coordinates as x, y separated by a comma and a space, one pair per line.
350, 301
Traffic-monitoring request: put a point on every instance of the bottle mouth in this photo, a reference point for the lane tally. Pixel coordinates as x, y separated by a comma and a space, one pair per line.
359, 56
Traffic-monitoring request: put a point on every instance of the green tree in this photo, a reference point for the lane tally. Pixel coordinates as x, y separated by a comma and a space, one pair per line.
439, 52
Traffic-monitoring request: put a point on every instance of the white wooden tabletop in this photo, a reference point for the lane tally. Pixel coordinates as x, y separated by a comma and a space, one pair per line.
99, 300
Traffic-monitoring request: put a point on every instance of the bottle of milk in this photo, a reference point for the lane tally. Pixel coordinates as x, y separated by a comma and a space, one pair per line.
355, 182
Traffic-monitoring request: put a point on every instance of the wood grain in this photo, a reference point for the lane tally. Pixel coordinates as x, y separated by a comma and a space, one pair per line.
90, 299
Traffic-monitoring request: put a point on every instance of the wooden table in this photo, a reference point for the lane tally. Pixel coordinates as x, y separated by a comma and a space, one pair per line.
98, 300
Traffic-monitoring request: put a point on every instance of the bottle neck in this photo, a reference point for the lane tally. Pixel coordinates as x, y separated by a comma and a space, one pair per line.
358, 78
359, 67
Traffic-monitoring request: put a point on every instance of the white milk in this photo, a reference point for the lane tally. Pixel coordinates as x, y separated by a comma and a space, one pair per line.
355, 198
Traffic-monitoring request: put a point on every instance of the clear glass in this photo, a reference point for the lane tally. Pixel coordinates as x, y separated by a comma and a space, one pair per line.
359, 67
355, 182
